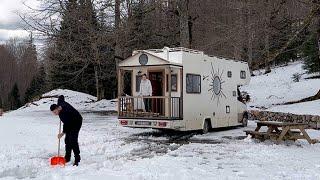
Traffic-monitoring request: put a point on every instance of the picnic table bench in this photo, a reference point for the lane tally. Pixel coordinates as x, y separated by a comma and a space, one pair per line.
281, 131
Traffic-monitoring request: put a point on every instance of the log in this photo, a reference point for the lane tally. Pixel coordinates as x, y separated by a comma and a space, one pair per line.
45, 97
311, 98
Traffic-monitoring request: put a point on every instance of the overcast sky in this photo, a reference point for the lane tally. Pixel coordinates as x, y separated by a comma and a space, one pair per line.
10, 23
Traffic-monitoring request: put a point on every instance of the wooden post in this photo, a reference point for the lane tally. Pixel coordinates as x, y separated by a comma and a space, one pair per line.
181, 95
258, 127
285, 129
1, 112
119, 72
306, 136
169, 90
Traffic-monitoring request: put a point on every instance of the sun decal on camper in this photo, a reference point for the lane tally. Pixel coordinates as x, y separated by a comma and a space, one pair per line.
216, 85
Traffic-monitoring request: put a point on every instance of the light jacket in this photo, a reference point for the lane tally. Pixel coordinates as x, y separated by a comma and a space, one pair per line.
145, 88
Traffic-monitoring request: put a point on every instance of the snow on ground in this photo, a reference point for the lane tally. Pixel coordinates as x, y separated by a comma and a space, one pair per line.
110, 151
278, 87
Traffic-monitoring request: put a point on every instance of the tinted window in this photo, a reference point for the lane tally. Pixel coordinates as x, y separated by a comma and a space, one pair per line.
173, 82
227, 109
193, 84
243, 74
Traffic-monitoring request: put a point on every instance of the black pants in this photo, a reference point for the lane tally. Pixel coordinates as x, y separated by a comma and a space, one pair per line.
147, 104
72, 144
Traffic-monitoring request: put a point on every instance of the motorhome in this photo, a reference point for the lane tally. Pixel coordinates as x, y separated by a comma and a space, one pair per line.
190, 90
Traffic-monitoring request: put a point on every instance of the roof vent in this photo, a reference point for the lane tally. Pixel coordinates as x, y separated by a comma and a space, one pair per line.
166, 50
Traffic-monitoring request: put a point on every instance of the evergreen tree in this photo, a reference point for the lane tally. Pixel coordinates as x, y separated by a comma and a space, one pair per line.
311, 53
140, 32
14, 98
62, 57
72, 60
37, 86
28, 67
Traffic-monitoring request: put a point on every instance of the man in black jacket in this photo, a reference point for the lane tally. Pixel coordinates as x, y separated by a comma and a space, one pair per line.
72, 121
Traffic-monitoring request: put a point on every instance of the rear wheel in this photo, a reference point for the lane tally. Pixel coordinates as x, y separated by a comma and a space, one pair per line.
206, 127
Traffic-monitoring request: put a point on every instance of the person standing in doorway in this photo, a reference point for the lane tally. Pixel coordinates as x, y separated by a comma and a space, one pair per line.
145, 91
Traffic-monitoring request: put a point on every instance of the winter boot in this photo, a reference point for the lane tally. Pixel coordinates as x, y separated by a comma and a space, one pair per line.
76, 160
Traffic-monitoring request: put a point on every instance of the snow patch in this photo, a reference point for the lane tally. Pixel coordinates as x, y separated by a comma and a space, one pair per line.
81, 101
278, 87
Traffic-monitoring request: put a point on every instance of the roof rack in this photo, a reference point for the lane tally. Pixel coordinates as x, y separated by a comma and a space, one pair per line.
176, 49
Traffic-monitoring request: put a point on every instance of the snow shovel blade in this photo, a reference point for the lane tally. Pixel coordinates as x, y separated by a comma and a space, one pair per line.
58, 160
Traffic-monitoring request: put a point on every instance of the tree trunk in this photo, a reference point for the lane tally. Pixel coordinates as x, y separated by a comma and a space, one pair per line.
117, 27
96, 75
318, 32
267, 37
266, 52
117, 19
185, 33
250, 52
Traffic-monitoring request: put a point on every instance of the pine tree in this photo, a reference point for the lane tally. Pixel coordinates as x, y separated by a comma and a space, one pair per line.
37, 86
28, 67
61, 74
14, 98
71, 62
310, 51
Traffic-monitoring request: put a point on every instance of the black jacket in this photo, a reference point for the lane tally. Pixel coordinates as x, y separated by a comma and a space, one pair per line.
71, 118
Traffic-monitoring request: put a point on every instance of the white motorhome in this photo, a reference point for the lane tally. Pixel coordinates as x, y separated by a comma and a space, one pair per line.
190, 90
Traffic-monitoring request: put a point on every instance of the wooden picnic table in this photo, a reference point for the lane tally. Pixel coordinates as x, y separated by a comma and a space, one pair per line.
281, 131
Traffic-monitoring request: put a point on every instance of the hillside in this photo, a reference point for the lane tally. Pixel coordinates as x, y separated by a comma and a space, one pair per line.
278, 87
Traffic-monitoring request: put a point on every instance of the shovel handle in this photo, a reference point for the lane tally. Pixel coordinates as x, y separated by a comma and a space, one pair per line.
59, 139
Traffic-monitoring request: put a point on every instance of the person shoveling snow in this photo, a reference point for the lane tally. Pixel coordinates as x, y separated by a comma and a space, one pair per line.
72, 122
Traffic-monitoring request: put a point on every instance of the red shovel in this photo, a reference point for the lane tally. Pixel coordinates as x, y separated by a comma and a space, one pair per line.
58, 160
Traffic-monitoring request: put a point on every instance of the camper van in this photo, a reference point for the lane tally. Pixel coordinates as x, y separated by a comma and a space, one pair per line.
190, 90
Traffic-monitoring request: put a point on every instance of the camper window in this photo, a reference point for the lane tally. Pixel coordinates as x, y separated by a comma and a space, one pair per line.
234, 93
229, 74
173, 82
242, 74
227, 109
193, 84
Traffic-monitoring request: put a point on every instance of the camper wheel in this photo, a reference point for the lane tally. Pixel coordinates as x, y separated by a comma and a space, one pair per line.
245, 119
206, 126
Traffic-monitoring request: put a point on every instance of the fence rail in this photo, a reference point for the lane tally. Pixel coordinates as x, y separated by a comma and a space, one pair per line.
152, 107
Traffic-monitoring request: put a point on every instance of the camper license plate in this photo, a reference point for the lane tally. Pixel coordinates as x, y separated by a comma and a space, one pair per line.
143, 123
